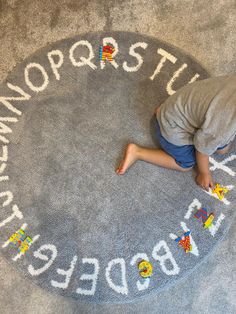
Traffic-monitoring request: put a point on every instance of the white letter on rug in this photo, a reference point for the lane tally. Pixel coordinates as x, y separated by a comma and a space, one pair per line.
194, 206
137, 56
163, 258
169, 89
166, 56
67, 273
57, 65
2, 169
16, 213
221, 165
4, 129
9, 199
4, 156
44, 75
4, 178
123, 289
106, 41
43, 257
216, 225
93, 277
141, 256
83, 61
5, 100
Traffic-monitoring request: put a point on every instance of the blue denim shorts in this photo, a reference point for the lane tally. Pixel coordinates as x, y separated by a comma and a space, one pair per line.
184, 155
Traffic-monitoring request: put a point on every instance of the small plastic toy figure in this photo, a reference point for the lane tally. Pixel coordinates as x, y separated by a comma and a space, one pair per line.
21, 241
25, 245
209, 221
185, 242
220, 191
206, 219
105, 53
145, 269
17, 237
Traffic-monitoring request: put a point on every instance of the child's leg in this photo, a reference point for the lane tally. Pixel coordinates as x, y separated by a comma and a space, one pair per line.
156, 156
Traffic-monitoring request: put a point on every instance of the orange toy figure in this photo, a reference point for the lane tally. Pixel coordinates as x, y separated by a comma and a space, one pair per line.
105, 53
220, 191
185, 243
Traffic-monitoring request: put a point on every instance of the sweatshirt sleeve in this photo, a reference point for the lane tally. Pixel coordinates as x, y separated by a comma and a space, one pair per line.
206, 142
218, 127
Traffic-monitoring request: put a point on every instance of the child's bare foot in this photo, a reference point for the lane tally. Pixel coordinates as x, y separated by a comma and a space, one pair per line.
157, 110
129, 159
224, 150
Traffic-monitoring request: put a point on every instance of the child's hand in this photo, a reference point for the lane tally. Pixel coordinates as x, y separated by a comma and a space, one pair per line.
205, 180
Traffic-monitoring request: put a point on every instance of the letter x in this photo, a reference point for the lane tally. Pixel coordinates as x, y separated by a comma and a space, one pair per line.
222, 165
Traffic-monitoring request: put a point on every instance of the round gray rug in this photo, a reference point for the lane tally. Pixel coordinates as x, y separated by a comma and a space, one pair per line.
67, 221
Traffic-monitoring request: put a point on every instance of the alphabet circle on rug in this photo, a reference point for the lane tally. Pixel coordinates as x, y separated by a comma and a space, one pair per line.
66, 117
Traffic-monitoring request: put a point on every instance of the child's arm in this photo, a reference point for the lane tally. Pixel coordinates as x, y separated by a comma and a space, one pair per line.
203, 178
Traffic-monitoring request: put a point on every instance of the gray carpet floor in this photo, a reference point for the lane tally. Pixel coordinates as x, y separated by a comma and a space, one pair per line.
211, 41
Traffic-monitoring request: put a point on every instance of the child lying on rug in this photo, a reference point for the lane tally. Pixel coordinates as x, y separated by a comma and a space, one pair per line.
196, 121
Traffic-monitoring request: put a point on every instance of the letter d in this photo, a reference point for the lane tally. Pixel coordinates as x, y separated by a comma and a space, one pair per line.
123, 288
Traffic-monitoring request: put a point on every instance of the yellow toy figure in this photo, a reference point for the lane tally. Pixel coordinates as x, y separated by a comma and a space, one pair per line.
17, 237
20, 240
220, 191
208, 222
145, 269
25, 245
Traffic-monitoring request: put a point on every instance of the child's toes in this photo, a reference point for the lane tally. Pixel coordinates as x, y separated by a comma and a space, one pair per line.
119, 169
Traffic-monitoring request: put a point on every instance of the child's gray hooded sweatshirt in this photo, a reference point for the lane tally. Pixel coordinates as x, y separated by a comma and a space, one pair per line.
202, 114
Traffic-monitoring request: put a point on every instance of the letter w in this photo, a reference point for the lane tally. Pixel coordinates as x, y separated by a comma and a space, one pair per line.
6, 100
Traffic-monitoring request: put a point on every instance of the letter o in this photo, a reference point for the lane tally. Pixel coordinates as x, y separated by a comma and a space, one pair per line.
44, 75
